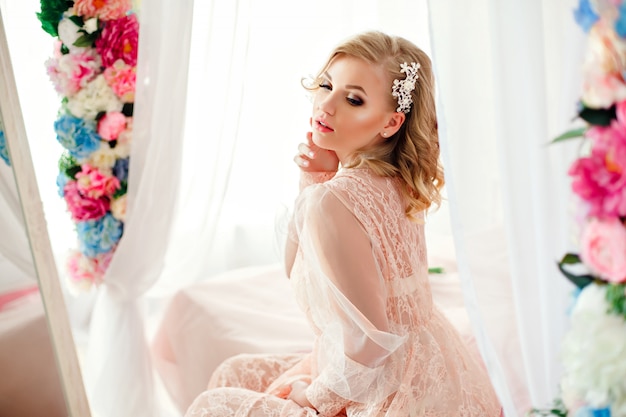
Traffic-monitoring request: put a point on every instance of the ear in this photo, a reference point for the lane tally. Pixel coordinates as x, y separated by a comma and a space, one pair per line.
394, 123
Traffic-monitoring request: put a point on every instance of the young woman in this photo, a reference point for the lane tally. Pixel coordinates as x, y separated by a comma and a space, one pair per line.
356, 257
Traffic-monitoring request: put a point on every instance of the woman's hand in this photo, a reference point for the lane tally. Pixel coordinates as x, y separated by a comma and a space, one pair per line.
297, 394
312, 158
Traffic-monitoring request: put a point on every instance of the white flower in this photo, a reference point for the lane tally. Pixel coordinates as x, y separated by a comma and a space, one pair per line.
594, 353
91, 25
95, 97
122, 149
69, 33
118, 208
103, 159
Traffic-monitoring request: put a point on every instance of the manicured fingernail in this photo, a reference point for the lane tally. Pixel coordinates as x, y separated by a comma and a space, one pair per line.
305, 163
311, 154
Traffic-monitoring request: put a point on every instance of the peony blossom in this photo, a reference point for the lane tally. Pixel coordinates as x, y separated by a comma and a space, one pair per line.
603, 248
104, 10
111, 125
600, 178
83, 208
71, 72
603, 83
96, 97
93, 184
119, 40
85, 272
122, 79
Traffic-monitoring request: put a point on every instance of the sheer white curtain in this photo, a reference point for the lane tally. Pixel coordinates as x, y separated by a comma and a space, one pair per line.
118, 370
508, 80
16, 262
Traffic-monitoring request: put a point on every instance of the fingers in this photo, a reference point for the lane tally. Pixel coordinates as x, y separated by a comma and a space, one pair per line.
306, 150
301, 161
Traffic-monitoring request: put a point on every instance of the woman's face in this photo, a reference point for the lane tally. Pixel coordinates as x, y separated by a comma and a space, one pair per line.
351, 107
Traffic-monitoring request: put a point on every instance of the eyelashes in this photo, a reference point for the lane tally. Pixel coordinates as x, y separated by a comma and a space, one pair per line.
352, 100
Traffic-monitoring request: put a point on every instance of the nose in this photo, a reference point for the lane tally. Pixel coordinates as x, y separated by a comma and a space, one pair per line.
326, 103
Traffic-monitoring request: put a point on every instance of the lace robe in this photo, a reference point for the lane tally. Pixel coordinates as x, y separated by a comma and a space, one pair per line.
382, 348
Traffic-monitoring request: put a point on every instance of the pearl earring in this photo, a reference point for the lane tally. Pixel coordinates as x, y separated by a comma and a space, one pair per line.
384, 134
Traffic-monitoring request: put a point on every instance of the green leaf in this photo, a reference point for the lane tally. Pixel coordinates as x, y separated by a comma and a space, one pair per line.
570, 259
86, 40
436, 270
78, 21
72, 171
66, 161
581, 281
51, 13
616, 297
123, 189
598, 117
574, 133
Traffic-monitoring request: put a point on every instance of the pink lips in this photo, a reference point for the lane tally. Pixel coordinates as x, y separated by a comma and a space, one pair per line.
322, 127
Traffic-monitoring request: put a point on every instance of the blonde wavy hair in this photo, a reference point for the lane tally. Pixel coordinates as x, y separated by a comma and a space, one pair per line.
412, 154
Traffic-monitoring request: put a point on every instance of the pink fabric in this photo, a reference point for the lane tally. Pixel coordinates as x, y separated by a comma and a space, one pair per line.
8, 298
382, 348
248, 310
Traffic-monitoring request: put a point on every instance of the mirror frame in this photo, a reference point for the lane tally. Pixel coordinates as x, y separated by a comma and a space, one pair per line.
37, 232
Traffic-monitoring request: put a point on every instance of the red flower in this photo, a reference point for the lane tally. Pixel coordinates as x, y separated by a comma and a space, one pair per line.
119, 40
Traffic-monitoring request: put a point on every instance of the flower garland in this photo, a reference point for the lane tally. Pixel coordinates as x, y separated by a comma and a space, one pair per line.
94, 69
594, 348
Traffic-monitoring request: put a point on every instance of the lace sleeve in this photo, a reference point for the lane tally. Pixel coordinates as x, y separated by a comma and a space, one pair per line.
358, 358
310, 178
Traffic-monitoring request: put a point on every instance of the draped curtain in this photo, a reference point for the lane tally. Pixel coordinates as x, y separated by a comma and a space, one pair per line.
507, 73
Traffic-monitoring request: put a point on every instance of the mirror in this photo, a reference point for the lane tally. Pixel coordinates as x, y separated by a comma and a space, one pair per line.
31, 342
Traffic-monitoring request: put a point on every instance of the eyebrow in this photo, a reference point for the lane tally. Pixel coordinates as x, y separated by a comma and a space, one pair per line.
349, 86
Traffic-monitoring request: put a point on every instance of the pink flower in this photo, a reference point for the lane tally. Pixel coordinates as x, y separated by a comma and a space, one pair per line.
71, 72
604, 248
600, 178
102, 9
603, 83
122, 78
82, 207
111, 125
85, 271
93, 184
119, 40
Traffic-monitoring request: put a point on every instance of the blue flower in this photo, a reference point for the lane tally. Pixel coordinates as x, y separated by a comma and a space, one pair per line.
4, 152
62, 180
585, 16
620, 23
99, 236
120, 169
78, 136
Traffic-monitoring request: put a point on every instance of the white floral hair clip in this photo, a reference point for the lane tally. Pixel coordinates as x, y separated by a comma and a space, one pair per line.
402, 89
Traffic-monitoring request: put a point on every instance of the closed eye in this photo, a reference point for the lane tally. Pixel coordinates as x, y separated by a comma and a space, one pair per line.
355, 101
325, 85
